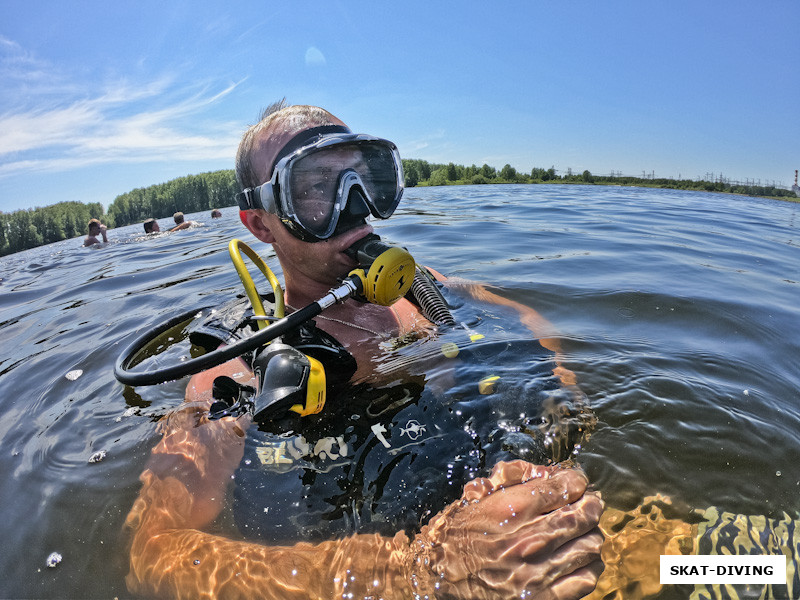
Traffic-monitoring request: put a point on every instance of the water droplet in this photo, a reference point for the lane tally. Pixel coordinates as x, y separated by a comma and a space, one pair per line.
53, 559
97, 456
777, 473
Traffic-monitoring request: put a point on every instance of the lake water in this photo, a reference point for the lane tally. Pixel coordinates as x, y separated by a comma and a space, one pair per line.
679, 312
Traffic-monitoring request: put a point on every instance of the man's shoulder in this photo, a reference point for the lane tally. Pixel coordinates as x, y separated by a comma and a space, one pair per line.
435, 274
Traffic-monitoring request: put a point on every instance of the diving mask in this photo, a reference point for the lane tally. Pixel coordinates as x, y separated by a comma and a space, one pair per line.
336, 177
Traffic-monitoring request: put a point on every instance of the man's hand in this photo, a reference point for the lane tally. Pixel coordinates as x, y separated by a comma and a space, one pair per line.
527, 531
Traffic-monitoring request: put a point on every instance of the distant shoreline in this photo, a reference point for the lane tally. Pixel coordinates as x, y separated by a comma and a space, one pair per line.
610, 184
29, 228
422, 173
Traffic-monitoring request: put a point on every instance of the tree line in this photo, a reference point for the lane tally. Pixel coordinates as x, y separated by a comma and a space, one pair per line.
190, 194
421, 172
25, 229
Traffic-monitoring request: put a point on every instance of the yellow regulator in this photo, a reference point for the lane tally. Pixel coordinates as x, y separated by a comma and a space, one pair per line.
389, 278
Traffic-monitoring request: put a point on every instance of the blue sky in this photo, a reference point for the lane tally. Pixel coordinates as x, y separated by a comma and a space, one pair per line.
98, 98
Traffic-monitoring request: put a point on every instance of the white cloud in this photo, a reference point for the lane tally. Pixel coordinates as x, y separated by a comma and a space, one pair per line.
123, 123
52, 122
11, 54
21, 72
431, 139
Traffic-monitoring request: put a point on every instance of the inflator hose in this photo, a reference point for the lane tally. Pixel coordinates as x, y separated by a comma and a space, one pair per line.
190, 367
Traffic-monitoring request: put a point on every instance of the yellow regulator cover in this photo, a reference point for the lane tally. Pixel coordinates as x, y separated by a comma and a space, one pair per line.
390, 277
315, 390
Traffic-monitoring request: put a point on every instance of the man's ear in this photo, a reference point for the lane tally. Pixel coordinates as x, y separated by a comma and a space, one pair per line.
254, 221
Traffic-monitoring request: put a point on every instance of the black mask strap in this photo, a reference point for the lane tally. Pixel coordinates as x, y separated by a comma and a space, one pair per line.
304, 138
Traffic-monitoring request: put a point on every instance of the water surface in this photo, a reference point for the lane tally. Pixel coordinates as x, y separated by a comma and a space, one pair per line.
678, 312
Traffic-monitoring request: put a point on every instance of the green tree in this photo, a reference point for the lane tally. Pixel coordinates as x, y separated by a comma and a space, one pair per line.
439, 177
411, 176
488, 172
3, 230
508, 173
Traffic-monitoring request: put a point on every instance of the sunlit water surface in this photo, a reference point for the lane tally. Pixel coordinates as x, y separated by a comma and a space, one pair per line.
679, 313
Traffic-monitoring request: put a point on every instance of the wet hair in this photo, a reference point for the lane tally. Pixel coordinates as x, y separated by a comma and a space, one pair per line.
215, 214
148, 225
94, 223
297, 117
178, 216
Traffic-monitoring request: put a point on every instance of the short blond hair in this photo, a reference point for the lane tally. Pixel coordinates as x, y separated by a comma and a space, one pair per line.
297, 117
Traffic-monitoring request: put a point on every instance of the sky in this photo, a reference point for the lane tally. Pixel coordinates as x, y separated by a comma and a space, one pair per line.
98, 98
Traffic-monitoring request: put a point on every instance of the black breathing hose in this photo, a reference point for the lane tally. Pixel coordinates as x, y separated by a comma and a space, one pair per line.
430, 300
424, 290
123, 367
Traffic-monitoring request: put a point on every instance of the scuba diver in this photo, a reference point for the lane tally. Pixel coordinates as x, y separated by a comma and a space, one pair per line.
521, 530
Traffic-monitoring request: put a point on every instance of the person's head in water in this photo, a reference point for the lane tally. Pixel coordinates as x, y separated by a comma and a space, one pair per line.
96, 228
178, 216
151, 226
216, 213
306, 179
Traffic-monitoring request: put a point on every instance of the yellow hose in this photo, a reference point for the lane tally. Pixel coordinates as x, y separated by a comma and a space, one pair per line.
236, 247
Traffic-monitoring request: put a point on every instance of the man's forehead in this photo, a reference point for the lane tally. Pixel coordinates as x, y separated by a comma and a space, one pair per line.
268, 143
271, 140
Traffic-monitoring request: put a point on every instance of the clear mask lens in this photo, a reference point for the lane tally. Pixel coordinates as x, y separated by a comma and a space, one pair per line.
315, 188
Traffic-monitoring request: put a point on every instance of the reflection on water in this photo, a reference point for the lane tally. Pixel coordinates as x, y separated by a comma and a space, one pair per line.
678, 314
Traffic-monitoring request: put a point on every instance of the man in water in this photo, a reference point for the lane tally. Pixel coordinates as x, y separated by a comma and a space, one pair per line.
96, 228
525, 531
180, 223
151, 226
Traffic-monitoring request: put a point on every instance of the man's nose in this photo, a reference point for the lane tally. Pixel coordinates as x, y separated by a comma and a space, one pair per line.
355, 211
356, 206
